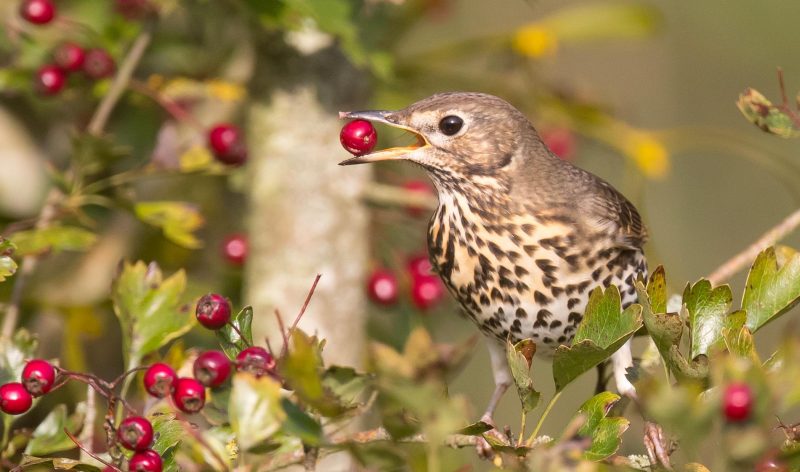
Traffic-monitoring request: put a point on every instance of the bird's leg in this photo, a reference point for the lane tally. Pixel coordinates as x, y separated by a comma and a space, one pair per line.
602, 377
502, 378
620, 362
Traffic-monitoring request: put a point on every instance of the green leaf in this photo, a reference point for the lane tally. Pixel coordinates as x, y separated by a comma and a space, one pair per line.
168, 432
519, 360
657, 291
770, 290
7, 265
255, 409
49, 436
707, 312
149, 308
737, 338
603, 330
53, 238
178, 220
92, 154
302, 370
344, 382
770, 118
605, 432
229, 338
57, 463
14, 354
300, 425
475, 429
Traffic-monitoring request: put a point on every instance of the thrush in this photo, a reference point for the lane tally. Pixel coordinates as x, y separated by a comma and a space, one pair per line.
520, 237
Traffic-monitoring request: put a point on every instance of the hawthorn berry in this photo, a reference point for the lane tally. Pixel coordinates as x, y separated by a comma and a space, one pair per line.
255, 360
14, 399
382, 287
145, 461
225, 141
560, 141
38, 377
358, 137
189, 395
69, 56
98, 64
212, 368
419, 265
426, 291
234, 248
50, 79
159, 379
38, 12
213, 311
421, 187
135, 433
737, 402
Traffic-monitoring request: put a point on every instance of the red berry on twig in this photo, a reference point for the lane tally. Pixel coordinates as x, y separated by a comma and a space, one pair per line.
255, 360
382, 287
189, 395
145, 461
14, 399
38, 376
159, 380
135, 433
50, 79
212, 368
234, 248
737, 402
213, 311
38, 12
69, 56
225, 141
98, 64
358, 137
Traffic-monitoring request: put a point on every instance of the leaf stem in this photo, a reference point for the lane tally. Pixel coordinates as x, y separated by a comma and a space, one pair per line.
522, 428
539, 424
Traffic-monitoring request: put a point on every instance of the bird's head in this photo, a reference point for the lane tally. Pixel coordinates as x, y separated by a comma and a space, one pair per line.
464, 135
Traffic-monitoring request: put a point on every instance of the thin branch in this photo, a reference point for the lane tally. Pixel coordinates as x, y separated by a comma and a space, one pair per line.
305, 303
741, 260
87, 451
282, 329
87, 432
241, 336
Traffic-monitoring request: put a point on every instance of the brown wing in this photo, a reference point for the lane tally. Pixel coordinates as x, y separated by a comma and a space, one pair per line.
609, 211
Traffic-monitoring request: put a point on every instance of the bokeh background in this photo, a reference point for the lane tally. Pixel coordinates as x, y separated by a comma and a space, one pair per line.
641, 93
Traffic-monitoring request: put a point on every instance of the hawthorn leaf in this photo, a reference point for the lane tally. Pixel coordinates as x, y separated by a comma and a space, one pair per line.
14, 354
770, 290
737, 338
150, 309
605, 431
7, 265
475, 429
255, 409
344, 382
169, 432
665, 329
53, 238
519, 360
177, 220
770, 118
229, 339
299, 424
49, 437
57, 463
657, 291
301, 368
707, 310
604, 329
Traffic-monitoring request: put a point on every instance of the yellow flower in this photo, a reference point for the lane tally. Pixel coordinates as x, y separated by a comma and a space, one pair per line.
535, 41
650, 154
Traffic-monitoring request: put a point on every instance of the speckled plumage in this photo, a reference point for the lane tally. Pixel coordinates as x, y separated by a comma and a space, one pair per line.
520, 237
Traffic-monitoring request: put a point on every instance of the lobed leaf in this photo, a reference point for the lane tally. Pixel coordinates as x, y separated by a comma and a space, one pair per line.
770, 118
49, 437
53, 238
299, 424
603, 330
707, 310
14, 354
255, 409
519, 360
302, 370
177, 220
770, 290
605, 432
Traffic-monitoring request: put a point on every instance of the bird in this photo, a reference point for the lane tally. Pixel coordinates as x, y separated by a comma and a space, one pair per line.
520, 237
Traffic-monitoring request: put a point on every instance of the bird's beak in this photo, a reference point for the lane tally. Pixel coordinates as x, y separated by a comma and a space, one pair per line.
391, 154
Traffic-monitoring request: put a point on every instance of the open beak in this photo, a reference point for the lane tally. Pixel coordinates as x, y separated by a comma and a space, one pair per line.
391, 154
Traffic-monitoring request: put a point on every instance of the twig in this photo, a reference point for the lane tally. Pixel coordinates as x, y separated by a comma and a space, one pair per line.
539, 424
742, 259
282, 329
87, 451
87, 432
784, 106
113, 384
305, 303
169, 105
241, 336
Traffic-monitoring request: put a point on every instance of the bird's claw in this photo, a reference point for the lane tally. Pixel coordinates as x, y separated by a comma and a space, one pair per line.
658, 447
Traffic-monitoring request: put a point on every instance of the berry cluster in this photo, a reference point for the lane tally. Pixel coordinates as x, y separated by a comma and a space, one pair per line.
426, 288
38, 378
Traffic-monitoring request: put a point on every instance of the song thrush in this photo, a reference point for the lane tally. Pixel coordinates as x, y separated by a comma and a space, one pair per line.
520, 237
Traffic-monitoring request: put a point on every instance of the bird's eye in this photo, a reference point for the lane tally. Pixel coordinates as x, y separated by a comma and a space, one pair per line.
451, 125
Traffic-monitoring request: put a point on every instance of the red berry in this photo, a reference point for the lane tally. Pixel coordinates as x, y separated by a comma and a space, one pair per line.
426, 291
38, 12
135, 433
145, 461
159, 379
69, 56
358, 137
234, 248
14, 399
212, 368
50, 79
98, 64
738, 402
38, 376
419, 265
382, 287
189, 395
770, 464
255, 360
560, 141
421, 187
213, 311
225, 141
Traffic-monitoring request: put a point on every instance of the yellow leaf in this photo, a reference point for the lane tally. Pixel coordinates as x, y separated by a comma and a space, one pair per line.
196, 158
225, 91
535, 41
